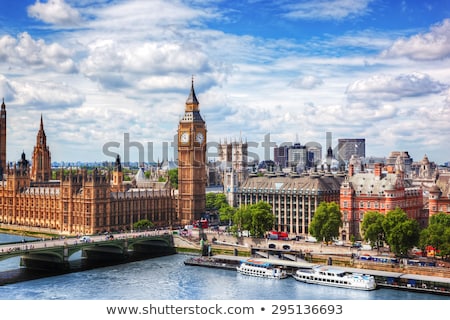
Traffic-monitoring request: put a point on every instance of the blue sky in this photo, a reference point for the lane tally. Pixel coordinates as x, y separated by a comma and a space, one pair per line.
103, 73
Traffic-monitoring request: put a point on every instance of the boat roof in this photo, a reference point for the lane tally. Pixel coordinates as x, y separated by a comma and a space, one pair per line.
277, 262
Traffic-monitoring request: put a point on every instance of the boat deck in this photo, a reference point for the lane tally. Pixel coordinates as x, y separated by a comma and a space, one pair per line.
386, 279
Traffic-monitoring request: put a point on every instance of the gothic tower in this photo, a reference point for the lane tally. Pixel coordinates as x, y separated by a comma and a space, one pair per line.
3, 140
41, 169
191, 162
117, 183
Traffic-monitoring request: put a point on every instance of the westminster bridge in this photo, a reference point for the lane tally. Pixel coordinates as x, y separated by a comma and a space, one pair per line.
55, 255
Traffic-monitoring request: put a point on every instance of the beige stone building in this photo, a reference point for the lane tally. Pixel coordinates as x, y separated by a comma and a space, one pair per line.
82, 202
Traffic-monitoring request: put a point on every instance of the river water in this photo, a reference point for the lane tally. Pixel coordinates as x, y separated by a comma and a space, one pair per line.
167, 278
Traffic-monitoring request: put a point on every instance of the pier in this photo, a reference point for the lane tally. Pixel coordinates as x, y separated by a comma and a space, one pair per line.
384, 279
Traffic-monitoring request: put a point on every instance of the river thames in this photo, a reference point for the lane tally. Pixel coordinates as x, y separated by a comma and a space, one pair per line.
167, 278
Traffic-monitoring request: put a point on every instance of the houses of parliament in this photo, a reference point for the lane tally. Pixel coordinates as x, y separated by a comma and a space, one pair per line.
78, 202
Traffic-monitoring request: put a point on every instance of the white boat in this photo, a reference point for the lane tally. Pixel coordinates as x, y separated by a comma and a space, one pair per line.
335, 277
261, 269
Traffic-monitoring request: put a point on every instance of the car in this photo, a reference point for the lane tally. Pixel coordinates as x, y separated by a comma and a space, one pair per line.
356, 245
310, 239
85, 239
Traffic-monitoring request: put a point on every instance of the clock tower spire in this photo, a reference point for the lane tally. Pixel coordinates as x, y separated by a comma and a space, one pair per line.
191, 162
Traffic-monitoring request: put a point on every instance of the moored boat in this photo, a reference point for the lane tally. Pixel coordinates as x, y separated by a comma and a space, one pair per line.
261, 269
335, 277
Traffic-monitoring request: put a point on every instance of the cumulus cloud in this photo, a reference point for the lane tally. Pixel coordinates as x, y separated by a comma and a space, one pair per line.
24, 52
115, 66
45, 94
433, 45
327, 10
388, 87
55, 12
306, 82
7, 91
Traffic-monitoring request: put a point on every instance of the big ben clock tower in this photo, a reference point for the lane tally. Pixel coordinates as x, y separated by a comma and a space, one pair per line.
191, 162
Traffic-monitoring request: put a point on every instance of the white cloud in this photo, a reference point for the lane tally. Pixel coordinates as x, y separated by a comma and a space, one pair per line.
306, 82
55, 12
39, 94
25, 52
386, 87
434, 45
327, 9
114, 65
128, 70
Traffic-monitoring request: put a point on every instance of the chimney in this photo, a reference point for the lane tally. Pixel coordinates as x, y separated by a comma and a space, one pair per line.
351, 170
377, 170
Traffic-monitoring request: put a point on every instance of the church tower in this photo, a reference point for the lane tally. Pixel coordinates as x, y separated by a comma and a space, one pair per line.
2, 140
191, 162
41, 169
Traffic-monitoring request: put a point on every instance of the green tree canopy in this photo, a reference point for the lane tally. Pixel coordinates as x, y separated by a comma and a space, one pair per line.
437, 234
226, 214
262, 219
401, 232
256, 218
215, 201
326, 221
372, 227
173, 178
142, 224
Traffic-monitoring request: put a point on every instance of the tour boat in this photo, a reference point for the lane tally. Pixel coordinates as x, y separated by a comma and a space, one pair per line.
335, 277
261, 269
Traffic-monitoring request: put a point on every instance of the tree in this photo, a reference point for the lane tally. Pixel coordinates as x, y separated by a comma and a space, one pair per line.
173, 178
215, 201
241, 219
401, 232
326, 221
262, 219
372, 227
143, 224
255, 218
437, 234
226, 214
221, 201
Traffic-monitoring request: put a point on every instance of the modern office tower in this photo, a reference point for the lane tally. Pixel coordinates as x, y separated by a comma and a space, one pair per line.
280, 156
298, 157
350, 147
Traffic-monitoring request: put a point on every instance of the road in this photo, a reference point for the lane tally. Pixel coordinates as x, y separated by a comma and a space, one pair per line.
62, 241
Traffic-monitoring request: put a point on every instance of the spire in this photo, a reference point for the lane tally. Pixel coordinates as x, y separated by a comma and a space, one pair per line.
192, 99
42, 124
41, 138
3, 104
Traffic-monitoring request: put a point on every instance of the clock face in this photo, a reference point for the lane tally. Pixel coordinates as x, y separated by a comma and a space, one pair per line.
199, 137
184, 137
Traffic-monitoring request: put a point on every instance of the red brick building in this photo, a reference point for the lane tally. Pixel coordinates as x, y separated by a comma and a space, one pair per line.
439, 195
377, 191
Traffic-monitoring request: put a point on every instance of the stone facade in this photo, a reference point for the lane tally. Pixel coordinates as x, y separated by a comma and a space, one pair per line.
80, 203
294, 198
192, 175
